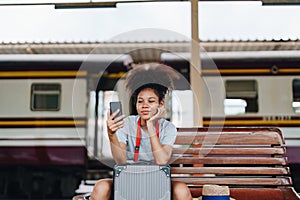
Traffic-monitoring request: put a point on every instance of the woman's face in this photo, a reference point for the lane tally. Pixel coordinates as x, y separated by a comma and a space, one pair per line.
147, 103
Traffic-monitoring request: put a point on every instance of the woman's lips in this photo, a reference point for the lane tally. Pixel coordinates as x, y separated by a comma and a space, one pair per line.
145, 112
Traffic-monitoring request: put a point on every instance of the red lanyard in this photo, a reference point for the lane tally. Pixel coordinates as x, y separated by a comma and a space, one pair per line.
138, 139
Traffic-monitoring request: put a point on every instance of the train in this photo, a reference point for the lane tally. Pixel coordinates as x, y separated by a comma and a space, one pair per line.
53, 109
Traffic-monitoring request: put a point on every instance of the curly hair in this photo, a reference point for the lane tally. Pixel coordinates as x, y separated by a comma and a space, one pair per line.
151, 75
159, 90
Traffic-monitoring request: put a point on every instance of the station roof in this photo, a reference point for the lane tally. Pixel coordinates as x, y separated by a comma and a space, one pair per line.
125, 47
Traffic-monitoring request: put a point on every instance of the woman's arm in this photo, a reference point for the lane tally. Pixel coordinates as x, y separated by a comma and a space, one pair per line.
161, 153
118, 149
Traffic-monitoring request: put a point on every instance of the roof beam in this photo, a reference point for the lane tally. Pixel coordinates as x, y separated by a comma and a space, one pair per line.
59, 4
74, 3
281, 2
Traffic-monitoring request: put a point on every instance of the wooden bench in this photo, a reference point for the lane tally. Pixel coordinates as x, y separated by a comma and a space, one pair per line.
251, 161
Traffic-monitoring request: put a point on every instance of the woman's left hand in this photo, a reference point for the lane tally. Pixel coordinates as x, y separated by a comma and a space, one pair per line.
161, 112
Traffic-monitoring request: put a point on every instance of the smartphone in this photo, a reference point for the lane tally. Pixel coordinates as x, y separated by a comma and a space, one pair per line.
115, 106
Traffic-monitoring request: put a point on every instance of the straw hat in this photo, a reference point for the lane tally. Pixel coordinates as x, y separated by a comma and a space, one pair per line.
215, 192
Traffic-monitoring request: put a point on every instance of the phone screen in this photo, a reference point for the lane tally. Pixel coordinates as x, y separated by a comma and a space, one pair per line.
115, 106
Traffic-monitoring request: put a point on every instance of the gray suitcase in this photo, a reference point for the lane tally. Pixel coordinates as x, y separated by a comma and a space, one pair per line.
142, 182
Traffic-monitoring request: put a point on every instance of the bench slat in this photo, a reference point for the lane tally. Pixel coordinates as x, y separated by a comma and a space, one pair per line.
229, 160
231, 170
231, 150
200, 180
229, 139
229, 129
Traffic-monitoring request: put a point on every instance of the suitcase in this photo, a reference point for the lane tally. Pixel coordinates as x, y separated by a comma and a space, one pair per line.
142, 182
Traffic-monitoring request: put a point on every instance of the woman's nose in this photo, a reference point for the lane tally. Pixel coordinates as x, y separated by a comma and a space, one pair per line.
145, 105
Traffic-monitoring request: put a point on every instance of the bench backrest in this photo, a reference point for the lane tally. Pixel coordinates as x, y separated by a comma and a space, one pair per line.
237, 157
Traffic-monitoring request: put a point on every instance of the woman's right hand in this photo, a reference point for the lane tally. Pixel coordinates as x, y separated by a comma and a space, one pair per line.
112, 123
118, 149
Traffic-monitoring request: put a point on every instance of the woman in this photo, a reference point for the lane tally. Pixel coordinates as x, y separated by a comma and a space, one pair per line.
157, 138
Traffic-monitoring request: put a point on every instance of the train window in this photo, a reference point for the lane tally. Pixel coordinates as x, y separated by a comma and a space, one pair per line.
241, 97
296, 95
45, 96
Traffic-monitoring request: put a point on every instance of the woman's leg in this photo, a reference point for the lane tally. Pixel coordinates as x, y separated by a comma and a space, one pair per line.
102, 190
180, 191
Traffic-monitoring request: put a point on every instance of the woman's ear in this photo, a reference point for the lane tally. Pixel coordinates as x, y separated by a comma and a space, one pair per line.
162, 103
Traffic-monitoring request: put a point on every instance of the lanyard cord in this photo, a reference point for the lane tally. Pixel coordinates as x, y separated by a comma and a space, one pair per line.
138, 139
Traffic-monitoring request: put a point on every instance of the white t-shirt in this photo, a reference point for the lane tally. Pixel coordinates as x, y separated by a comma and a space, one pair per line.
127, 135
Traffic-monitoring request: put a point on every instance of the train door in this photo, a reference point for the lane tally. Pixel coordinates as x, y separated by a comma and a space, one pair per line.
98, 145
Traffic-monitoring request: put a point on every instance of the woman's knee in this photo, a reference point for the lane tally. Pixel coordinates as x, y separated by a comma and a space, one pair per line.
102, 189
181, 191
